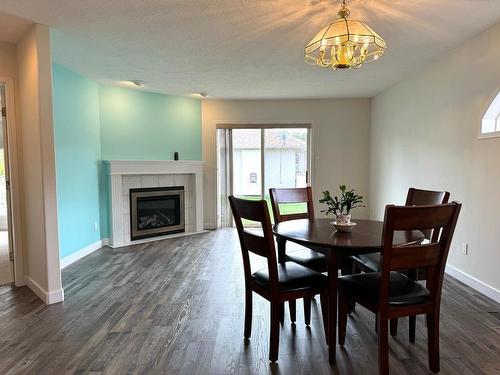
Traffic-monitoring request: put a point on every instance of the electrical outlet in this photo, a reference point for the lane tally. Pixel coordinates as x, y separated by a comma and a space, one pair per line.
96, 226
465, 248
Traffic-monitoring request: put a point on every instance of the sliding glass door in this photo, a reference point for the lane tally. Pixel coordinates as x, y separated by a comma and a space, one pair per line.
252, 160
285, 158
247, 163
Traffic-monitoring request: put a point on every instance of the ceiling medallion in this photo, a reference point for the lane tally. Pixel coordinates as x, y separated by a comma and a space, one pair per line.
344, 44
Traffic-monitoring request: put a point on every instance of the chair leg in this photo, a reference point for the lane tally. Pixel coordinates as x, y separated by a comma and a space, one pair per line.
352, 306
394, 327
307, 310
344, 302
293, 310
282, 312
281, 249
383, 345
274, 339
324, 311
433, 341
412, 326
248, 314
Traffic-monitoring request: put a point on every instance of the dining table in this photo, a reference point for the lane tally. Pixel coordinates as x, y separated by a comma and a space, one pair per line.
320, 235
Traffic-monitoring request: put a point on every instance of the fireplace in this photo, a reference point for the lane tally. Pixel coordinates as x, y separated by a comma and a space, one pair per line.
156, 211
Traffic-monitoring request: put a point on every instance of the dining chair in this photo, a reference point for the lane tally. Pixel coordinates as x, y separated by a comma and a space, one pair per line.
371, 262
304, 256
391, 294
278, 282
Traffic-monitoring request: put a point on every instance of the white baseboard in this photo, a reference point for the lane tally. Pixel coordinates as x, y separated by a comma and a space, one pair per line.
49, 298
66, 261
474, 283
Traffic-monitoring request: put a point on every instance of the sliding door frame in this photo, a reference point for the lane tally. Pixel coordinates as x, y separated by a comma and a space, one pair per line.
14, 204
261, 126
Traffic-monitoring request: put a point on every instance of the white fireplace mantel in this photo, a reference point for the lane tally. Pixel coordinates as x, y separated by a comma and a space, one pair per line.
125, 174
122, 167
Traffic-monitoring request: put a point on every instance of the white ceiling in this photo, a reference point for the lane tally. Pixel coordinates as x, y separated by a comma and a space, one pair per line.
247, 48
12, 27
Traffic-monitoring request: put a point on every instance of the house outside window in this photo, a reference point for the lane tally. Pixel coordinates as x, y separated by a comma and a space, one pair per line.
253, 178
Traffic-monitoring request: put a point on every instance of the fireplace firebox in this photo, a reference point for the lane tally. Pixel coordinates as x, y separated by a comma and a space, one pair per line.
156, 212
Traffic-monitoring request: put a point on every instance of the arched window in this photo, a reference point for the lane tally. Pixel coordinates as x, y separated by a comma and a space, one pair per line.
490, 126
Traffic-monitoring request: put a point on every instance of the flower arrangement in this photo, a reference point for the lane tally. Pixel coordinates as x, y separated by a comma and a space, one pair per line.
342, 207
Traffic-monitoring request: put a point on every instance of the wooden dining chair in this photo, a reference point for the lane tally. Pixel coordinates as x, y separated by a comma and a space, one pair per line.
306, 257
278, 282
371, 262
391, 294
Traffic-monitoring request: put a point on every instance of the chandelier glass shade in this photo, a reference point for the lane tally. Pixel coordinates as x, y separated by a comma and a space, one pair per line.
344, 44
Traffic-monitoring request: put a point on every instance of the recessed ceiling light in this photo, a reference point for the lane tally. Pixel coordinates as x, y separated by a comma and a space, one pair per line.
200, 94
137, 82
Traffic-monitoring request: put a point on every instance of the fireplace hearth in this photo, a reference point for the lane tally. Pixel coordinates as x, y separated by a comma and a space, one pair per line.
156, 212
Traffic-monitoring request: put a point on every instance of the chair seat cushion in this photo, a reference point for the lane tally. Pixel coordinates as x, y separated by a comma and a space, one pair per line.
292, 277
307, 258
370, 262
402, 290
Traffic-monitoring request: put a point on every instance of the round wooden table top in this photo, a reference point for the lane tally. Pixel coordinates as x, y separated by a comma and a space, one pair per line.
365, 237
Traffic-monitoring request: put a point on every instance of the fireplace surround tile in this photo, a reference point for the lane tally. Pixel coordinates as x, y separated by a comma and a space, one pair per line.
130, 182
166, 180
183, 180
149, 181
126, 175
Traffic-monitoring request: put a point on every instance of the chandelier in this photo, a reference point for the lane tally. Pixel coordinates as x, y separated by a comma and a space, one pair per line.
344, 44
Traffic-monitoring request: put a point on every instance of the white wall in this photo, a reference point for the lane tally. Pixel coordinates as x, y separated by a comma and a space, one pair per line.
36, 145
8, 61
424, 134
340, 140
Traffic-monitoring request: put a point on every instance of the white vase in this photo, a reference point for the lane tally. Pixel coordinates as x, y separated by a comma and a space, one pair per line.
343, 219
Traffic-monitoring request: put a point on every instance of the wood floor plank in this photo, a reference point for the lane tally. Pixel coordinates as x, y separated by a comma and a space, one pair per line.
176, 307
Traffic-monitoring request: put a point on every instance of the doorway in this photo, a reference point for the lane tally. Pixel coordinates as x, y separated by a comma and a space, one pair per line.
253, 159
6, 248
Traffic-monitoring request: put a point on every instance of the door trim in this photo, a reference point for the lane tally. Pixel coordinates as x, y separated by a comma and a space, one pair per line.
15, 195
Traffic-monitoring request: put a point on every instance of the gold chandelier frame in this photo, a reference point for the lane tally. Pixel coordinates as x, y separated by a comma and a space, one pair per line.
344, 44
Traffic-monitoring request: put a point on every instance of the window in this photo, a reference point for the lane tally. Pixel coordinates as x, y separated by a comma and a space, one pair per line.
490, 125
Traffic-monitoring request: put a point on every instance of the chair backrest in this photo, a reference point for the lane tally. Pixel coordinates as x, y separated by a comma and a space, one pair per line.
292, 195
431, 256
419, 197
250, 241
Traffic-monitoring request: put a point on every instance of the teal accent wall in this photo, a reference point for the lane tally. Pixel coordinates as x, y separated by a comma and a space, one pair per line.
98, 122
78, 159
138, 125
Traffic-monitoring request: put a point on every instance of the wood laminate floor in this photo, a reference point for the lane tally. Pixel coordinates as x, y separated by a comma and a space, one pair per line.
176, 307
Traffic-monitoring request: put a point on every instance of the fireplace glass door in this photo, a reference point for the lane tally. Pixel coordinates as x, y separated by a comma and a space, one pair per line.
156, 212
